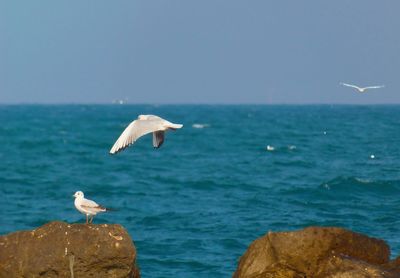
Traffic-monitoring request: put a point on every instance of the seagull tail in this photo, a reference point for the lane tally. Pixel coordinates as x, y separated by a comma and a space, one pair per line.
110, 209
175, 126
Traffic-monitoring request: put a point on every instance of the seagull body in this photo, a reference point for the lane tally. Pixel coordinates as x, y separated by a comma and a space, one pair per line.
88, 207
143, 125
362, 89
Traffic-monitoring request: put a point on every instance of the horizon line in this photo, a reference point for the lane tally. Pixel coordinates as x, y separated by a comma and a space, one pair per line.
189, 103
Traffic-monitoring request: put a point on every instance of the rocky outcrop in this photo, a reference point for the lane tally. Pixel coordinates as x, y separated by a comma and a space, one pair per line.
58, 249
317, 252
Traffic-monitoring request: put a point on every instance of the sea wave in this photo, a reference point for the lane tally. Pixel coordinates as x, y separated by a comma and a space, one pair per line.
348, 185
200, 125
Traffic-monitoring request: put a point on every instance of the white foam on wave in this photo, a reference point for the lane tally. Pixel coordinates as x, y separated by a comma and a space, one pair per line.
270, 148
200, 125
361, 180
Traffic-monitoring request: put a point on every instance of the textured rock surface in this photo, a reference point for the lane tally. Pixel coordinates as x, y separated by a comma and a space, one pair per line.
58, 249
317, 252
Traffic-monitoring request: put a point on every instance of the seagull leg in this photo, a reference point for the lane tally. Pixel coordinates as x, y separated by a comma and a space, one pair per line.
87, 218
91, 219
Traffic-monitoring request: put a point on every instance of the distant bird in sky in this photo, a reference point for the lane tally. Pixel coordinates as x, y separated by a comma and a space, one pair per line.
143, 125
362, 89
87, 207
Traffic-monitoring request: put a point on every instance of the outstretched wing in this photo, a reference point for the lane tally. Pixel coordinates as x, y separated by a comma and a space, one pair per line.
350, 85
135, 130
158, 138
375, 87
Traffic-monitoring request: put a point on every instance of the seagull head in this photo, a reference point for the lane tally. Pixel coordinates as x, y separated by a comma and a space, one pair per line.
78, 194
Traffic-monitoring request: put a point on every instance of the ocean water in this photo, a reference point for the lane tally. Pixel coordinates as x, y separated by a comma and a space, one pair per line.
193, 206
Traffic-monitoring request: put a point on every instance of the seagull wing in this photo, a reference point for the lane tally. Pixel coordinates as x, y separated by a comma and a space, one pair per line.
375, 87
91, 206
154, 117
166, 123
135, 130
350, 85
158, 138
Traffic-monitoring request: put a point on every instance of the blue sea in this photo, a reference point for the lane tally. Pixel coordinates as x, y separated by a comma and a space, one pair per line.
193, 206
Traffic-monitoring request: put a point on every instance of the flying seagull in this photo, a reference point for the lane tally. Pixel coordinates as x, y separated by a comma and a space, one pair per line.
143, 125
87, 207
362, 89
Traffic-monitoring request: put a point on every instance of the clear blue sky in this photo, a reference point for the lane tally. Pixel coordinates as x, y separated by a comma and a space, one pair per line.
190, 51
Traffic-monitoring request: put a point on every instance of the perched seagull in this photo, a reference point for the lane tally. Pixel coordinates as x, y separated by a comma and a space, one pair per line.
143, 125
87, 207
362, 89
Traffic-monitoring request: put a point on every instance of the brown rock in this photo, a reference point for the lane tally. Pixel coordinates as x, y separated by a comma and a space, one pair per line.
316, 252
346, 267
393, 265
58, 249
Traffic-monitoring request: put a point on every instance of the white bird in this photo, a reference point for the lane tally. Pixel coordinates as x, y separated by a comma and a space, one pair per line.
143, 125
88, 207
362, 89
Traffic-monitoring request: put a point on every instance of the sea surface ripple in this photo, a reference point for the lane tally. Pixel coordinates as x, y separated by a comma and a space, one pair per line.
193, 206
